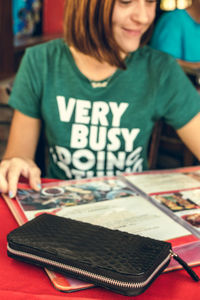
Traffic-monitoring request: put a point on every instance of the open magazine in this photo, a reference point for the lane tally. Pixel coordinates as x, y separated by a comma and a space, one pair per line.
163, 205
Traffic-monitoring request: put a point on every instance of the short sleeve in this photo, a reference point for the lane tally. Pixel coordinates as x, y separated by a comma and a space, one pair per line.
27, 89
177, 100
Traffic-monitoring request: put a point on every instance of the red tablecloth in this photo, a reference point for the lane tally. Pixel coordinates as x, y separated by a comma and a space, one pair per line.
22, 281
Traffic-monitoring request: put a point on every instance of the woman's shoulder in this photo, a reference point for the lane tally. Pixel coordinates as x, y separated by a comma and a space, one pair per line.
49, 47
154, 56
154, 63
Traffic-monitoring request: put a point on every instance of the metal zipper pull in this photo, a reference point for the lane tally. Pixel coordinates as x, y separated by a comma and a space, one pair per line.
185, 266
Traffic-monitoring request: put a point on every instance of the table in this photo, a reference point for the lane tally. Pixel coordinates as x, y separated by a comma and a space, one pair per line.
21, 281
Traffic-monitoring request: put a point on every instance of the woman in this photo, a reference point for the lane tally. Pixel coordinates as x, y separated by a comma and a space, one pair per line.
98, 94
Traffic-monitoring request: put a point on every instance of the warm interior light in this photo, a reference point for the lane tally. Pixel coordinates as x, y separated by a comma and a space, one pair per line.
173, 4
182, 4
168, 4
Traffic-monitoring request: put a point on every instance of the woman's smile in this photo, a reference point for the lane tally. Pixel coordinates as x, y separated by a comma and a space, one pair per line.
130, 21
132, 32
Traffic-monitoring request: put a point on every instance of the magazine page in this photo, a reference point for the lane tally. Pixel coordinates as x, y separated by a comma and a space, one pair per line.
107, 202
165, 180
176, 193
184, 205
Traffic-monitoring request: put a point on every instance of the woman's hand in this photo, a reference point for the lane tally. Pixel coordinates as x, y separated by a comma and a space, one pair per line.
12, 169
19, 155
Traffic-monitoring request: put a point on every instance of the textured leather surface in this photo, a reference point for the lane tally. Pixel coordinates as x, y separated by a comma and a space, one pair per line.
94, 248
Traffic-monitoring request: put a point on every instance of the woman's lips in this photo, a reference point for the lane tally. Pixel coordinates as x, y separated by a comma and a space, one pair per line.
133, 32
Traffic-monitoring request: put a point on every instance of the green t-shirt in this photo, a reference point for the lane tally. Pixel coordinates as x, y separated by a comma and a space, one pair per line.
101, 128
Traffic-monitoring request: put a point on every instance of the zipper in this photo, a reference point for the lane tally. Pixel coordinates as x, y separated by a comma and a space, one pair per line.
88, 274
184, 265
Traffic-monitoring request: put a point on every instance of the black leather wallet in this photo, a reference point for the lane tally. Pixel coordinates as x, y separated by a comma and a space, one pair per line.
119, 261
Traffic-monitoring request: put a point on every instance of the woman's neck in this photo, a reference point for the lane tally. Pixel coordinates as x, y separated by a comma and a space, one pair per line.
194, 10
91, 67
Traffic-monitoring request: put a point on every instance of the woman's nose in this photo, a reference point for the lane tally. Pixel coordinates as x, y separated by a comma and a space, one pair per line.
140, 12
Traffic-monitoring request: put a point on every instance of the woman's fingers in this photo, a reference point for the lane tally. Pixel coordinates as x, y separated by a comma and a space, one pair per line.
35, 178
10, 171
13, 175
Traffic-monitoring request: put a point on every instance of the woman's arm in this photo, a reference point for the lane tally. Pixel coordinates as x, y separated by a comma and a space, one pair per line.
190, 135
19, 155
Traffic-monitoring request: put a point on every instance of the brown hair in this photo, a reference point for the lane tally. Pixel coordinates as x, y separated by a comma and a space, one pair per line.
88, 28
